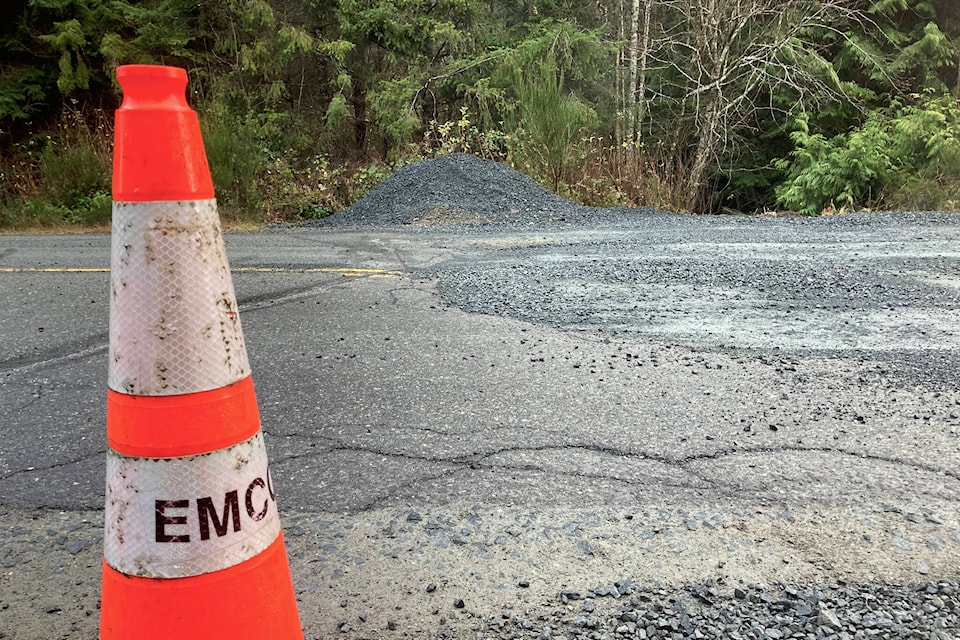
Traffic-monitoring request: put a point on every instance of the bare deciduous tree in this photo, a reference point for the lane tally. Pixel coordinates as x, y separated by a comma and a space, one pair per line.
737, 58
705, 69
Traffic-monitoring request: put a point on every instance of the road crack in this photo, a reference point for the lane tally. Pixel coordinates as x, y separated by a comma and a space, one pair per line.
57, 465
485, 461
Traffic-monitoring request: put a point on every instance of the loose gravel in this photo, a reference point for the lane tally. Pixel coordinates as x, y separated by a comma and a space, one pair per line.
756, 612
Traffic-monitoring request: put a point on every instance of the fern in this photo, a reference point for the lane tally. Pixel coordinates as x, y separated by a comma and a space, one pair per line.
880, 162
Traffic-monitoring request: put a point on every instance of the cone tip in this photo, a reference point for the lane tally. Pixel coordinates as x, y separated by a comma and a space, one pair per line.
158, 150
152, 86
150, 72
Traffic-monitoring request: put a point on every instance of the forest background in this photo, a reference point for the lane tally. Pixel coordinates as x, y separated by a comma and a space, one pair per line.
704, 106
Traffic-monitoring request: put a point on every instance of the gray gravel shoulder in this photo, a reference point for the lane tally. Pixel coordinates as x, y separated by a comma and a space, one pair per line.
590, 574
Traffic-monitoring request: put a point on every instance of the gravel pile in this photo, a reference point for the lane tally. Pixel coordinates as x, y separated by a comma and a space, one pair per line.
462, 189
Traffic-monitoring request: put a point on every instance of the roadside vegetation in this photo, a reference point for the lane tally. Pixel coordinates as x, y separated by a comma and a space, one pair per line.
702, 106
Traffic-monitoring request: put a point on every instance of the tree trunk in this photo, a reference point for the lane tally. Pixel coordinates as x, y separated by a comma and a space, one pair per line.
631, 106
622, 85
706, 150
641, 95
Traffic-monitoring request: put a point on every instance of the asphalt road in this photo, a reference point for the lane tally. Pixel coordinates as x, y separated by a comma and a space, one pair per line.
666, 399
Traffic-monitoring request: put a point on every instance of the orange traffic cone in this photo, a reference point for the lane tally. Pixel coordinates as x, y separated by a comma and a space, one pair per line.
193, 546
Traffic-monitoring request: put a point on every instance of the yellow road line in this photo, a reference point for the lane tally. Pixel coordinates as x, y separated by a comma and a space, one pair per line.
351, 272
347, 272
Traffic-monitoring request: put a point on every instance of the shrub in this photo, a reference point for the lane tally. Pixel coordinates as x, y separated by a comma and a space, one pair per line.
550, 126
61, 178
236, 160
907, 155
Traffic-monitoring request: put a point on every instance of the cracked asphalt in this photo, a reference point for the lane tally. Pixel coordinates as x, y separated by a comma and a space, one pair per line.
657, 398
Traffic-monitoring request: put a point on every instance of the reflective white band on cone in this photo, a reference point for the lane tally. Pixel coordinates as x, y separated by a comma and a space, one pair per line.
181, 517
174, 326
